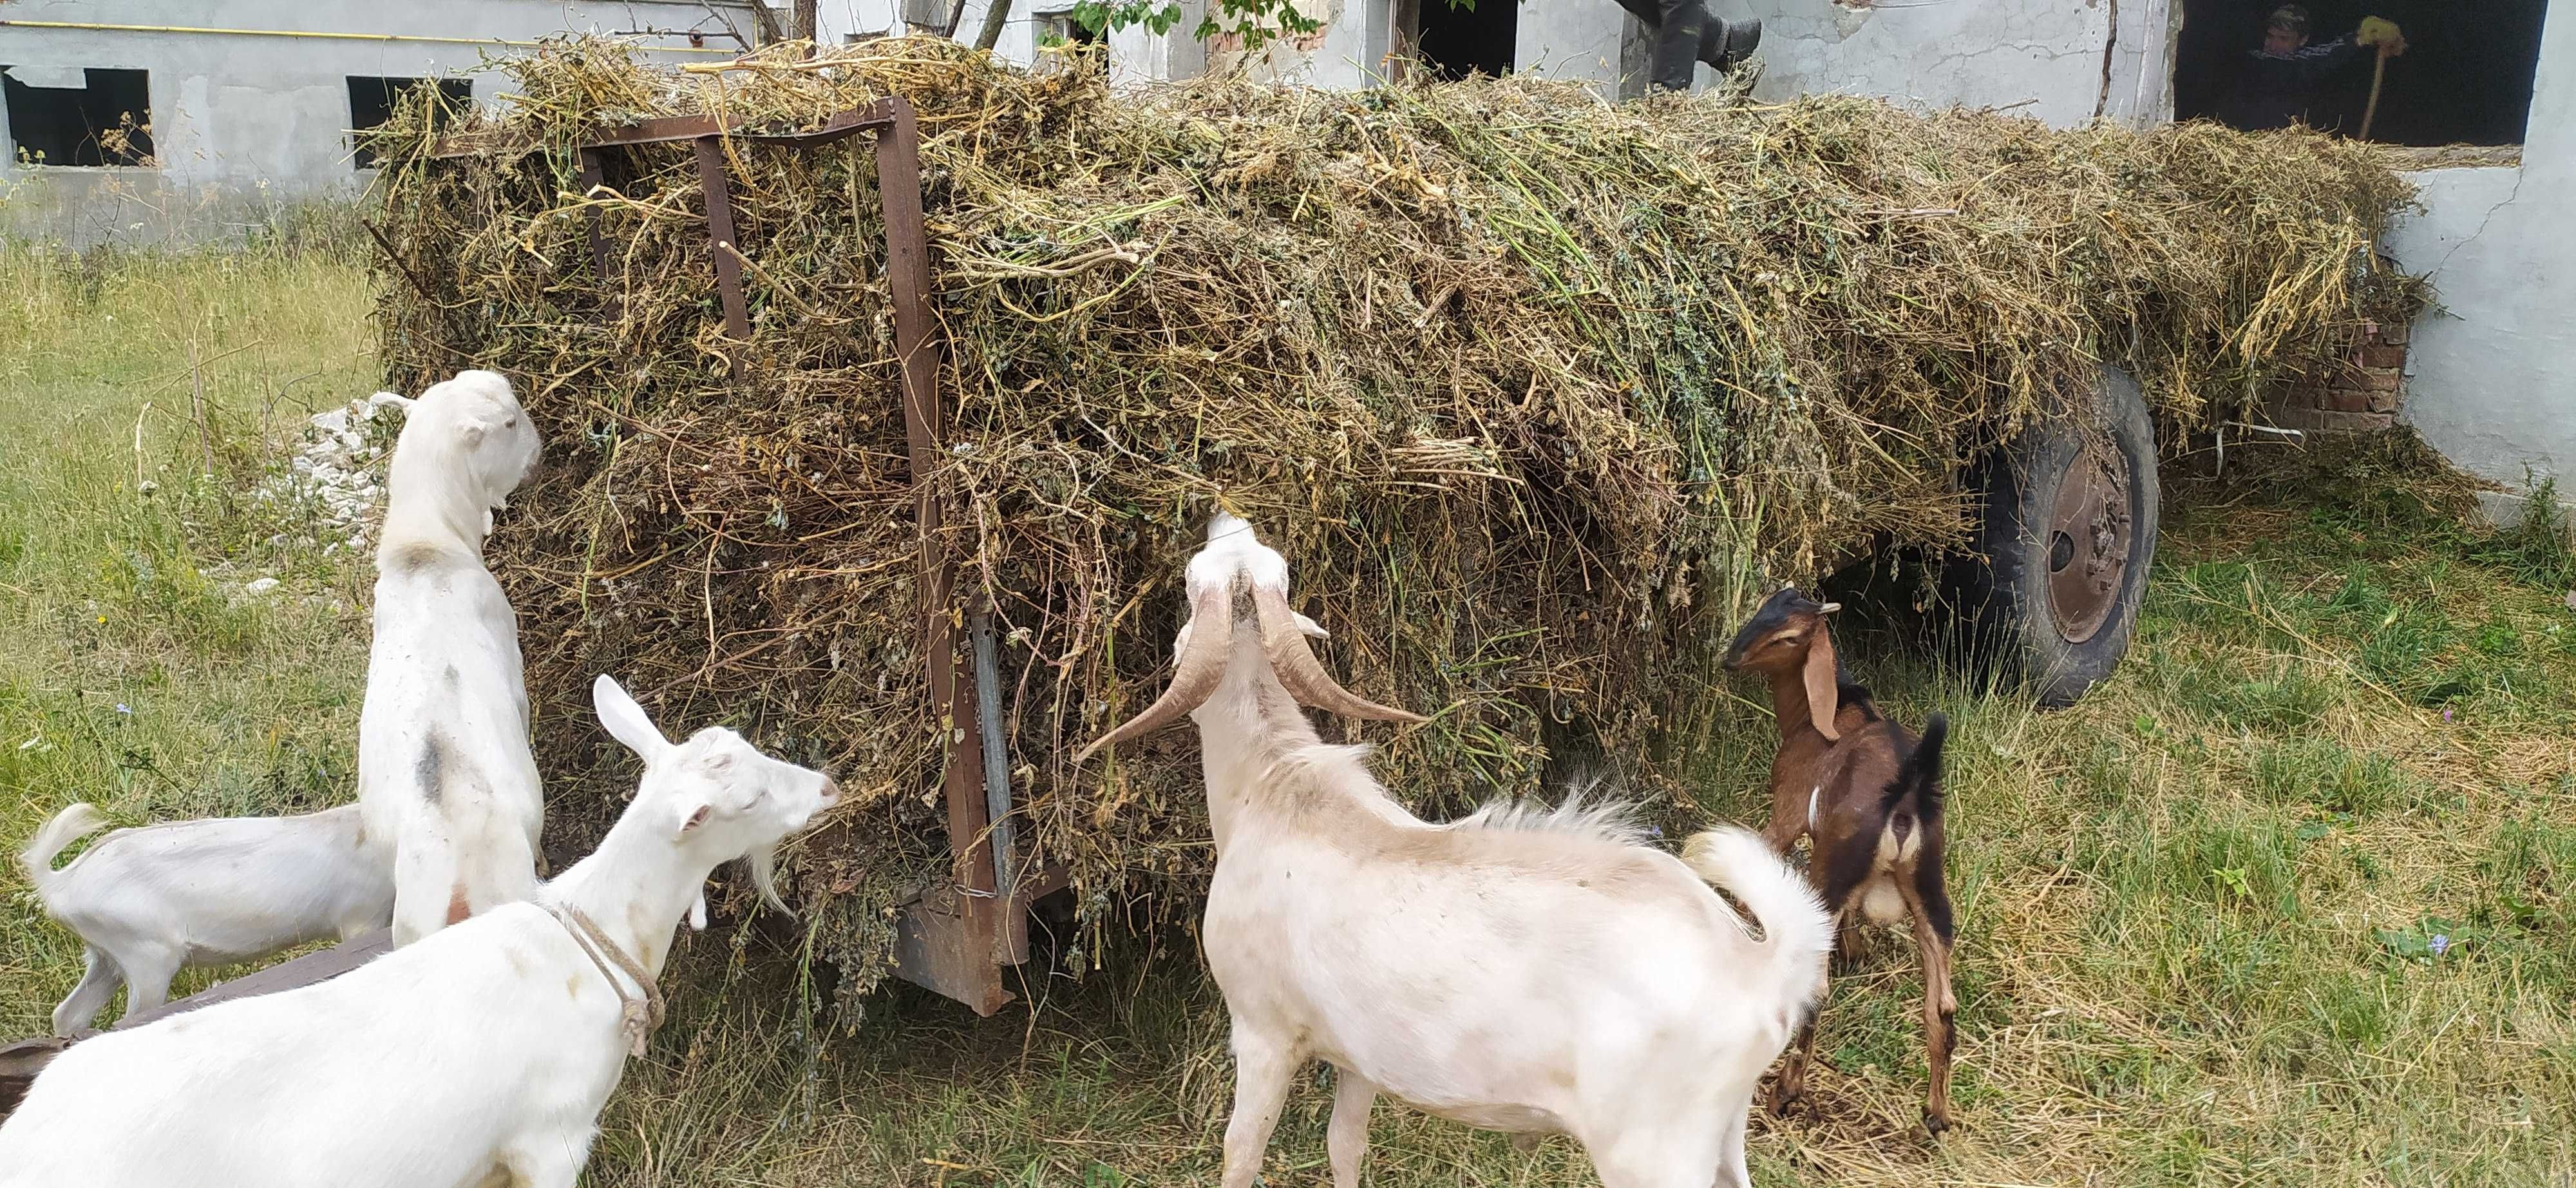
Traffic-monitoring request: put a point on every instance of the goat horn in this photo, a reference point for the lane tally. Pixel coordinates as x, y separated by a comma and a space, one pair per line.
1201, 666
1285, 644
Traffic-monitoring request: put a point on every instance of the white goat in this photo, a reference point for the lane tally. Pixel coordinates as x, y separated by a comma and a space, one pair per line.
479, 1056
444, 769
1516, 972
220, 891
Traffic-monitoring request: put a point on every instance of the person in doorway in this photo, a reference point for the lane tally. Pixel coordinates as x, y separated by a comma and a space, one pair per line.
2282, 79
1687, 34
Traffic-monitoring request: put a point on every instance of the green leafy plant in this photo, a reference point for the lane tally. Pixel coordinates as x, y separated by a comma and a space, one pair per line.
1255, 23
2431, 939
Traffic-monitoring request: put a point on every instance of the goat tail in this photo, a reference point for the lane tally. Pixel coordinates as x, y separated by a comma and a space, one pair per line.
1920, 775
76, 821
1796, 928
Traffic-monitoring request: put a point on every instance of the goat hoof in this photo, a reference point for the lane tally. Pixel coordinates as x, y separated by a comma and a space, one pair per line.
1782, 1103
1934, 1124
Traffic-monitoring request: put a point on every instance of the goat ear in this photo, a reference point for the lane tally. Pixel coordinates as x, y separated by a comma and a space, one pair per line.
625, 720
696, 819
473, 430
1311, 627
1822, 700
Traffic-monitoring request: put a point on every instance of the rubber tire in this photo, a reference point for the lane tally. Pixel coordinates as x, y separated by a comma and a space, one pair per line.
2001, 586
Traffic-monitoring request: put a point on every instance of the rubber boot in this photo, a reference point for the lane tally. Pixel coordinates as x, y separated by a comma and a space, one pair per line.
1724, 43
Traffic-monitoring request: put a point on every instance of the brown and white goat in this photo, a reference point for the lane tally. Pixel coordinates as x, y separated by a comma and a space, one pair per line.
1869, 794
1518, 971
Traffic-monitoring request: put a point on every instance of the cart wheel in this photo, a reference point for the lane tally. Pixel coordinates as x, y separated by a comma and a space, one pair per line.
2063, 546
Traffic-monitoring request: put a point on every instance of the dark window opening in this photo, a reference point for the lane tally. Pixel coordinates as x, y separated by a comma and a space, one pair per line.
105, 121
1463, 37
1064, 28
929, 16
1086, 45
372, 102
2465, 77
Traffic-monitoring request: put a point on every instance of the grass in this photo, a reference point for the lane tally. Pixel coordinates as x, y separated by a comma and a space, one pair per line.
130, 674
2199, 910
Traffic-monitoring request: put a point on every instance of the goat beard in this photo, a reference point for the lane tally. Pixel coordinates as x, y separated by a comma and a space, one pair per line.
764, 877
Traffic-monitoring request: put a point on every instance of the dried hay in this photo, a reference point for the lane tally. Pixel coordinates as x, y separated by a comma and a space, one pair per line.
1529, 387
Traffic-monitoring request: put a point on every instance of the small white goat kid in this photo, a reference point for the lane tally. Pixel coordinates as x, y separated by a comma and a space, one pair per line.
1515, 971
479, 1056
220, 891
444, 768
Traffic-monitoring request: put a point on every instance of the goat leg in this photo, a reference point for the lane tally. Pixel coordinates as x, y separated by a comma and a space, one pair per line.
1788, 819
1931, 911
1791, 1085
548, 1163
1346, 1139
148, 973
1732, 1171
97, 985
1263, 1069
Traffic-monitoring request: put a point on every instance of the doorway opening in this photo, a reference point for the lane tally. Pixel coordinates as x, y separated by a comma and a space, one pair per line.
2465, 77
1463, 37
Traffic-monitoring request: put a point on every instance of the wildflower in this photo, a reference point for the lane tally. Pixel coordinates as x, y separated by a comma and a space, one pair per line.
2440, 944
124, 709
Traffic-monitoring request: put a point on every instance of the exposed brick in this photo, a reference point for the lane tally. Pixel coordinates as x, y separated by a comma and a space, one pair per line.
2304, 396
2393, 333
2384, 401
2330, 422
2382, 356
2342, 422
2378, 379
2351, 400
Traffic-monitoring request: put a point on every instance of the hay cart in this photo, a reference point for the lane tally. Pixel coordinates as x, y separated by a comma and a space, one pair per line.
2051, 584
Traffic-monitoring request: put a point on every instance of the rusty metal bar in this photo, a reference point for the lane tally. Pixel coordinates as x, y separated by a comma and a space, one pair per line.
674, 129
997, 749
591, 179
719, 196
876, 116
978, 908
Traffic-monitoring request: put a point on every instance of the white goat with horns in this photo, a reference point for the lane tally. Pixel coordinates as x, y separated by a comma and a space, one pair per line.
479, 1056
446, 779
1515, 971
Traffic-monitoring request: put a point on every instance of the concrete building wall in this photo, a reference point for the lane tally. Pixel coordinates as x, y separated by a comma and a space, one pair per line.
245, 122
2064, 61
2046, 56
2488, 378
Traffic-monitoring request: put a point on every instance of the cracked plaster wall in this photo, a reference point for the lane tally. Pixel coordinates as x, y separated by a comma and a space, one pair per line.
2040, 57
2488, 380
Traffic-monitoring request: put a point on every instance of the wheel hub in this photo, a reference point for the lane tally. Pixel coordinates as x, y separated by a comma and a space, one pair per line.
2088, 540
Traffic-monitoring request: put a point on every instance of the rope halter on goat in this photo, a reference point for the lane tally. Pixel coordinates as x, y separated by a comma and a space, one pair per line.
642, 1011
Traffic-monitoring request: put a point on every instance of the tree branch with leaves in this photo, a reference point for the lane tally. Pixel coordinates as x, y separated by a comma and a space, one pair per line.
1251, 23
